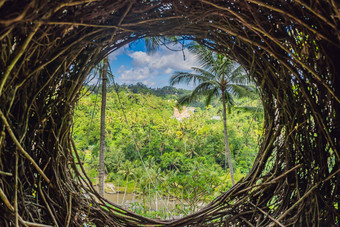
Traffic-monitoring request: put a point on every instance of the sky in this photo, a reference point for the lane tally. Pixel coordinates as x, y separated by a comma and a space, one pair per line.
131, 64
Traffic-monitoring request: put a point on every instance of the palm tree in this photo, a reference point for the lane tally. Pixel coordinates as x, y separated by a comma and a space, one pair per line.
102, 128
128, 169
138, 176
217, 77
118, 162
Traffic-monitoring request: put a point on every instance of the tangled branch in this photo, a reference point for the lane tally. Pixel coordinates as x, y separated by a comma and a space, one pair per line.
290, 48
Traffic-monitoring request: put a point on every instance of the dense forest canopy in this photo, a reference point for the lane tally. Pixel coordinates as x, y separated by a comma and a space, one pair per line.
184, 156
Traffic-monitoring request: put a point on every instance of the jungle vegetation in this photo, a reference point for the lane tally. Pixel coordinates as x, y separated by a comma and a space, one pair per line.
218, 77
184, 158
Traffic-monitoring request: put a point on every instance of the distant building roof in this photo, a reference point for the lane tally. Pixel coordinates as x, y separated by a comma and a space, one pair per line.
218, 118
185, 113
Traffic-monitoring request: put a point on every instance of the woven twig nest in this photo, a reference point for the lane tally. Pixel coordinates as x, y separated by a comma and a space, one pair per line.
290, 48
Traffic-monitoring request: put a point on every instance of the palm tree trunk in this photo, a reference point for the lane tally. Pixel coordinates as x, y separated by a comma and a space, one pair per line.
126, 185
149, 196
102, 130
226, 140
173, 201
118, 188
167, 204
134, 190
156, 203
182, 197
156, 197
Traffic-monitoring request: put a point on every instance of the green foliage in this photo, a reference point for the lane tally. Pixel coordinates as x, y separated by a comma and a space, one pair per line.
184, 158
217, 77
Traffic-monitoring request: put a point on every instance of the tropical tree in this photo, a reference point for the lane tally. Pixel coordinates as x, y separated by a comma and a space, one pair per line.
128, 169
102, 128
220, 77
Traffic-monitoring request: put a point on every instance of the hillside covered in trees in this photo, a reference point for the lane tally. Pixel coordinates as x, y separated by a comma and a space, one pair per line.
154, 155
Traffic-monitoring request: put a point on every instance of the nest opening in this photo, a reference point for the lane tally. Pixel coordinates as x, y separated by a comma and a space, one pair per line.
291, 49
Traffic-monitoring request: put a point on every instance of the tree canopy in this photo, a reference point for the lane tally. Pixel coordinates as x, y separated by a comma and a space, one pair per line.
219, 77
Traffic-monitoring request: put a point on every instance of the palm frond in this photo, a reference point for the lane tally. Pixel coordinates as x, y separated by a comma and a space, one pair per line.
224, 65
229, 99
152, 44
210, 94
184, 77
207, 89
217, 72
205, 57
204, 87
240, 90
251, 108
239, 75
186, 99
205, 73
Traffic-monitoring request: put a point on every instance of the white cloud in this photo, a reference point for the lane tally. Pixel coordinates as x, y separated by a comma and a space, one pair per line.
140, 74
121, 69
113, 56
168, 70
149, 68
164, 60
149, 83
